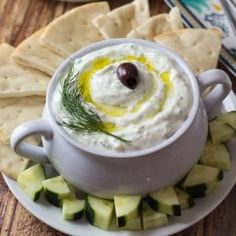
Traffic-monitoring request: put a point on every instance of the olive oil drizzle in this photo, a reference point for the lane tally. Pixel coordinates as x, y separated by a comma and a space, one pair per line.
165, 76
81, 117
116, 111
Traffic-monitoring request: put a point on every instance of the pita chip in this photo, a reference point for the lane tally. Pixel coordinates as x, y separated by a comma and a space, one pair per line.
19, 81
15, 111
122, 20
10, 163
157, 25
199, 47
31, 53
74, 30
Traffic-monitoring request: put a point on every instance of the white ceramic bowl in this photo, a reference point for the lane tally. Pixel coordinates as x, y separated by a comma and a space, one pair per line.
105, 174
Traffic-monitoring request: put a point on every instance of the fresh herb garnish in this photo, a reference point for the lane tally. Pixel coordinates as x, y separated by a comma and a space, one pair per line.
83, 118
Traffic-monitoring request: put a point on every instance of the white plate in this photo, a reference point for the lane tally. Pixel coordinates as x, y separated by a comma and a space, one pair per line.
52, 216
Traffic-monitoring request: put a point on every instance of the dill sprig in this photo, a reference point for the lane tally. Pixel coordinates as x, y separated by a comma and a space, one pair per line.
82, 117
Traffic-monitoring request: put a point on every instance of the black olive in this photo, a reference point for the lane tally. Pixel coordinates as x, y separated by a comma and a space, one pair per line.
128, 75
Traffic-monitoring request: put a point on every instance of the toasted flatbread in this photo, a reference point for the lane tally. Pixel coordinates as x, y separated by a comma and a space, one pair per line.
31, 53
10, 163
120, 21
74, 30
157, 25
19, 81
15, 111
199, 47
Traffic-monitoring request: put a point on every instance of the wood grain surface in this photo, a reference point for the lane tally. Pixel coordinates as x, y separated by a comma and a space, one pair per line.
19, 19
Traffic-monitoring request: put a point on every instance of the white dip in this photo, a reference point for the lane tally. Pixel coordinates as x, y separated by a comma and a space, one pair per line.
147, 115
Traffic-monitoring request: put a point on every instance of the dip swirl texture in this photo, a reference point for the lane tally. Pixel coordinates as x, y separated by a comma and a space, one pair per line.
146, 115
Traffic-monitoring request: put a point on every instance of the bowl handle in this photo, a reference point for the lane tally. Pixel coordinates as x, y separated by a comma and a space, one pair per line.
32, 152
219, 82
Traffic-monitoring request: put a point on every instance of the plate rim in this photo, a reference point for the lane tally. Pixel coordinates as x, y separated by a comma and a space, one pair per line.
173, 227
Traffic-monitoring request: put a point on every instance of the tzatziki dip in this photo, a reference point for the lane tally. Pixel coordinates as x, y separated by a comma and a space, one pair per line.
122, 98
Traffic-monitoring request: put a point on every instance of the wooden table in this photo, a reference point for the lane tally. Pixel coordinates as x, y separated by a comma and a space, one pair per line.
19, 19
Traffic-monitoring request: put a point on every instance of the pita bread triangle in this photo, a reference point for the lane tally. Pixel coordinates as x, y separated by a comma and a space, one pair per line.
120, 21
157, 25
19, 81
199, 47
74, 30
10, 163
15, 111
31, 53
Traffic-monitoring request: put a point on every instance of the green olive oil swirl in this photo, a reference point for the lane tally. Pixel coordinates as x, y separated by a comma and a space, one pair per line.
82, 117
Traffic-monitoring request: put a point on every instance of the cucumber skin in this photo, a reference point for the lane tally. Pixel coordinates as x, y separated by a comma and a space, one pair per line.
220, 175
51, 197
197, 191
191, 202
156, 206
200, 190
90, 214
145, 224
51, 194
153, 203
37, 195
76, 216
176, 210
121, 221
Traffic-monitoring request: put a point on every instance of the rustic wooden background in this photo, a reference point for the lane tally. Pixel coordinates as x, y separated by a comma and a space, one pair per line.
19, 19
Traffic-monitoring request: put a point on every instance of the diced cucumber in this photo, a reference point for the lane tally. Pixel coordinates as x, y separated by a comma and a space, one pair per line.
56, 189
228, 118
216, 155
31, 180
152, 219
57, 202
220, 132
185, 200
53, 200
133, 224
57, 186
99, 211
165, 201
128, 211
201, 179
72, 209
